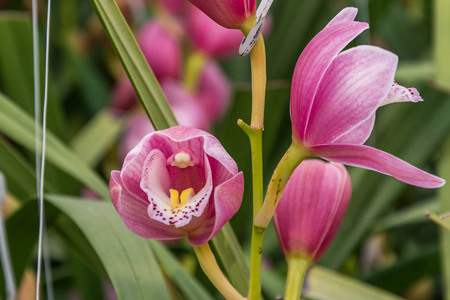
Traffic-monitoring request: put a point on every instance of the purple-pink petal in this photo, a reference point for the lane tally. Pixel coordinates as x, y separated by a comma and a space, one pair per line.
350, 92
228, 13
348, 14
311, 67
359, 134
399, 93
133, 211
227, 201
377, 160
312, 208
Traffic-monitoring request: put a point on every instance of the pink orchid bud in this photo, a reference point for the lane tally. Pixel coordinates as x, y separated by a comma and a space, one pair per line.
175, 183
210, 37
161, 50
335, 95
312, 208
228, 13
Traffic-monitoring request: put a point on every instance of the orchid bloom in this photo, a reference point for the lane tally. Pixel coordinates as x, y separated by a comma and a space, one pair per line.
177, 182
335, 95
161, 49
312, 208
228, 13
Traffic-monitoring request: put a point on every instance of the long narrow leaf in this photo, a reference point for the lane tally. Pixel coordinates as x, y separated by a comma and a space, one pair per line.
19, 126
97, 137
134, 63
188, 285
127, 258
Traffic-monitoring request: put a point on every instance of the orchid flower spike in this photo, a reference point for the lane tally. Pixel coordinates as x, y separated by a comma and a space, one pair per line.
335, 95
228, 13
312, 208
177, 182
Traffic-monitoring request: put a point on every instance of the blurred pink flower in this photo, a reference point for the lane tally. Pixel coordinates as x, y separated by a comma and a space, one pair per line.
228, 13
335, 95
312, 208
177, 182
161, 50
123, 97
210, 37
174, 6
214, 91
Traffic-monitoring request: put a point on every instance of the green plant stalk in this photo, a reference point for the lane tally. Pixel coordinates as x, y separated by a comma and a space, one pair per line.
297, 267
254, 132
444, 194
291, 159
442, 42
193, 70
255, 136
212, 270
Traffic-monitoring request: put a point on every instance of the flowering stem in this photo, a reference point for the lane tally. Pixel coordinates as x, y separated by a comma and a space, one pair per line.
297, 267
212, 270
259, 78
255, 137
291, 159
193, 70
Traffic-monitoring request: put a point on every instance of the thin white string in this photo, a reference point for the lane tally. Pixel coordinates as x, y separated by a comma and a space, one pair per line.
42, 169
8, 271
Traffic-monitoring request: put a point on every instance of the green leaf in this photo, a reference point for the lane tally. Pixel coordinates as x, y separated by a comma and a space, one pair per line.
127, 258
22, 232
411, 215
232, 258
134, 63
326, 284
16, 68
97, 137
444, 196
19, 127
188, 285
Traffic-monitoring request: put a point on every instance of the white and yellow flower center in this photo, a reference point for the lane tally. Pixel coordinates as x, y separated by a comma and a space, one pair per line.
182, 160
179, 201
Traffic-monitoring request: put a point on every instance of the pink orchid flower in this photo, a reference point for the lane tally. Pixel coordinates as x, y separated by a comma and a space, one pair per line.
177, 182
228, 13
312, 208
161, 49
335, 95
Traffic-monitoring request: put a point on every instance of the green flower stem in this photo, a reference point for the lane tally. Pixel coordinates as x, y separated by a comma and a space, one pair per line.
193, 70
212, 270
259, 77
297, 267
291, 159
255, 136
254, 132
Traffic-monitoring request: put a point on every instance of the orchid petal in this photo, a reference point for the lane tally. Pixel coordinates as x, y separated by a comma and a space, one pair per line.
359, 134
377, 160
350, 92
312, 65
399, 93
228, 13
227, 200
346, 15
133, 211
